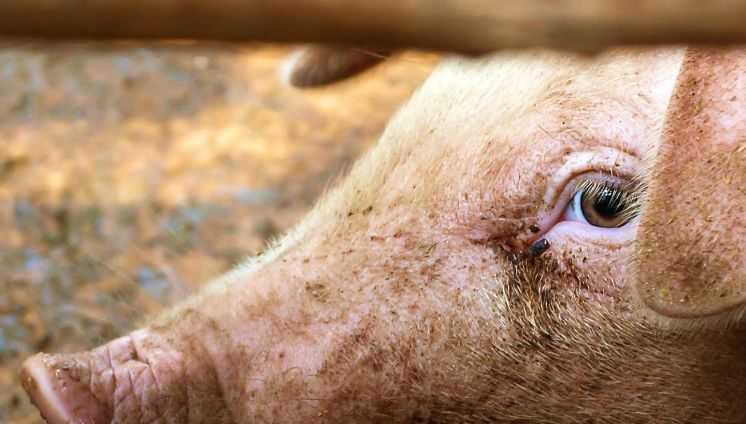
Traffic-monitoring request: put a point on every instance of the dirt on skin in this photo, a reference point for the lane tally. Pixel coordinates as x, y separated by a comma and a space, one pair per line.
130, 176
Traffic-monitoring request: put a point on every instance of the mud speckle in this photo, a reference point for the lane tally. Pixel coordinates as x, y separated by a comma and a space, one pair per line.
317, 290
538, 248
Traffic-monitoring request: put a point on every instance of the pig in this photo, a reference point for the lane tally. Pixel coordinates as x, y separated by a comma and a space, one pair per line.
537, 237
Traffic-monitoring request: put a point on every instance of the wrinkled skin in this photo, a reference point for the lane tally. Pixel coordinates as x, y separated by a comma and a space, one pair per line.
412, 292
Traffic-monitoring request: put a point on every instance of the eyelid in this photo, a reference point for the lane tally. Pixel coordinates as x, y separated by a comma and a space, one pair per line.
605, 162
597, 180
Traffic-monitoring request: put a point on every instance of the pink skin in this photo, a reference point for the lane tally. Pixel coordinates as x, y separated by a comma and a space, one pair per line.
409, 294
700, 269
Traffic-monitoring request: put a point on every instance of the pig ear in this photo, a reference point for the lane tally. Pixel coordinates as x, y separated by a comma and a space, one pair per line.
691, 254
316, 66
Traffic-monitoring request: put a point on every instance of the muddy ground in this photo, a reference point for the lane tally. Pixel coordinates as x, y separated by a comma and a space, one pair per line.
131, 176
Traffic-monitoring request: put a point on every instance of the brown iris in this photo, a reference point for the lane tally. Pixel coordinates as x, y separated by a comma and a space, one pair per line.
604, 205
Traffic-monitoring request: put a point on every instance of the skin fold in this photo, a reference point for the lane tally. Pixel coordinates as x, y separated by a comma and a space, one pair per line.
441, 281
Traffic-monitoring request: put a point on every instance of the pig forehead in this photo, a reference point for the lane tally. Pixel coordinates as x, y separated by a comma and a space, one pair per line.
507, 97
476, 115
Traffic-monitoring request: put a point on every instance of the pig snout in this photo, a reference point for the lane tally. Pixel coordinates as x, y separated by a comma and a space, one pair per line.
124, 380
478, 265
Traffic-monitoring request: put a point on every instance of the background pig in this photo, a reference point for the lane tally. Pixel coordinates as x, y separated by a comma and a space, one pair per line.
475, 266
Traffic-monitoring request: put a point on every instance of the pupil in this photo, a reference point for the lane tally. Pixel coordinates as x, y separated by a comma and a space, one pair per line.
609, 203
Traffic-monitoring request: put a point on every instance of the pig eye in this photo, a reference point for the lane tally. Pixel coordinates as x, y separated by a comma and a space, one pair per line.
604, 204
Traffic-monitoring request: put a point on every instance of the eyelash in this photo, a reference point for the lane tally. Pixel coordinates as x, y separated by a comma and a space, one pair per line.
623, 192
594, 187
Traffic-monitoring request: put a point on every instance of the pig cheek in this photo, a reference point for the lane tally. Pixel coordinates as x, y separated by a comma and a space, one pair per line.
597, 258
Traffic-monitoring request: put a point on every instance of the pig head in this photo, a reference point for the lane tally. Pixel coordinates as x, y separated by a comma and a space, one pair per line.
493, 259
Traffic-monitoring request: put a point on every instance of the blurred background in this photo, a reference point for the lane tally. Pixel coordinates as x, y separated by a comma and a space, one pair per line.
131, 176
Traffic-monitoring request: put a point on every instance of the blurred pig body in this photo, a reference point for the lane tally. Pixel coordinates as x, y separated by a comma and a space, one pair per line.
445, 280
